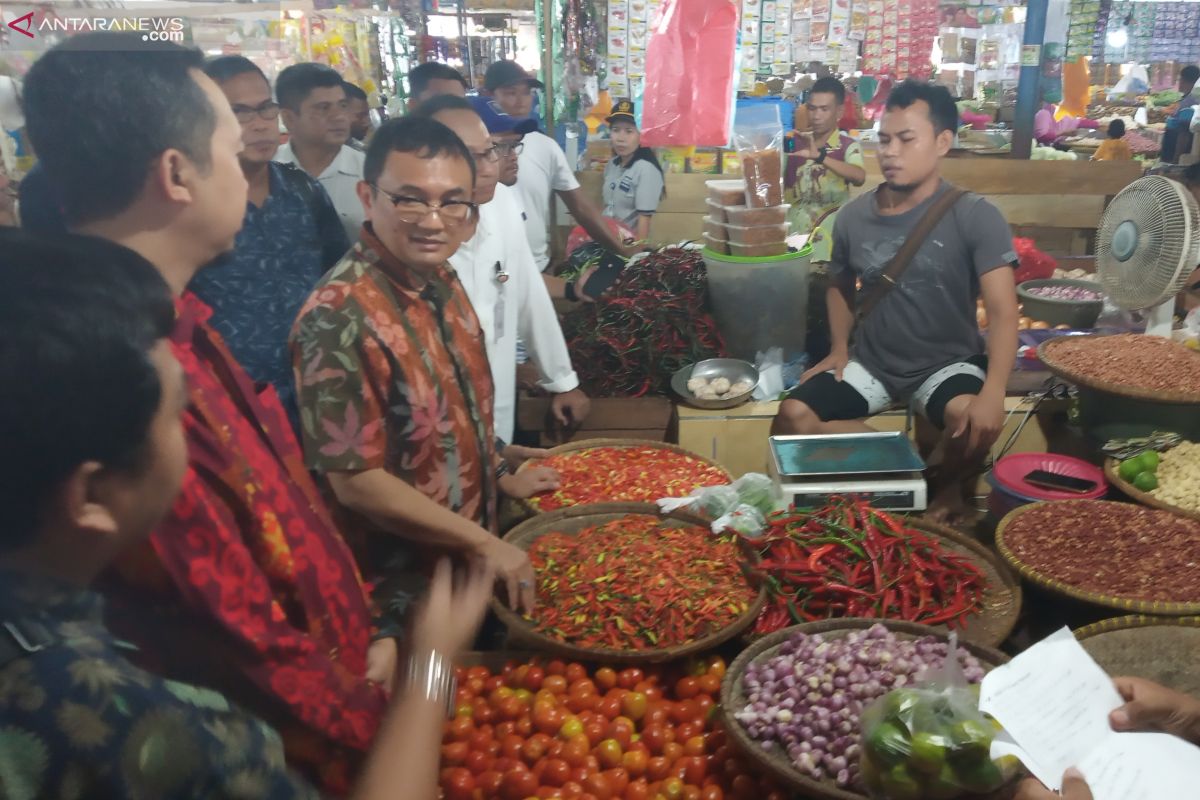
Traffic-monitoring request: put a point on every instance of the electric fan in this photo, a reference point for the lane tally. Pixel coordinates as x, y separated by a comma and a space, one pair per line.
1147, 245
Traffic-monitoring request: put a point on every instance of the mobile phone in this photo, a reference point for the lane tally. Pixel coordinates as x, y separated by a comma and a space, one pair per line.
1061, 483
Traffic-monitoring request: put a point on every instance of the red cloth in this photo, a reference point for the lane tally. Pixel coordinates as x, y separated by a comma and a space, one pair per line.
688, 99
265, 595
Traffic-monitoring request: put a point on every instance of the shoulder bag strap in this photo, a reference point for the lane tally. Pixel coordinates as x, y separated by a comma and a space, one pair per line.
900, 261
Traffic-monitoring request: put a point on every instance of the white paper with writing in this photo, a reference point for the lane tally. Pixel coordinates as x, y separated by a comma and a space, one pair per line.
1054, 700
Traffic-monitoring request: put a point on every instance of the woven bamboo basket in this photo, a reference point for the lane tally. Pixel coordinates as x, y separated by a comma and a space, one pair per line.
775, 761
522, 635
1108, 601
1001, 599
1046, 352
1161, 649
589, 444
1145, 498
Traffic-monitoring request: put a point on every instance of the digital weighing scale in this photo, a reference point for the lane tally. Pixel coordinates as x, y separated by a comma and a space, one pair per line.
883, 468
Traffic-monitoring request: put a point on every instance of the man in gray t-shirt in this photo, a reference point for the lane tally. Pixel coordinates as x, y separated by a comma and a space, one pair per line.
920, 345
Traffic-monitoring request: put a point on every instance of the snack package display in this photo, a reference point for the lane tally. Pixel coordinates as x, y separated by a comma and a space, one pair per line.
930, 740
758, 136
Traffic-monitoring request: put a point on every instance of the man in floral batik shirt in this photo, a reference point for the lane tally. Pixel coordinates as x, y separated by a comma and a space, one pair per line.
393, 379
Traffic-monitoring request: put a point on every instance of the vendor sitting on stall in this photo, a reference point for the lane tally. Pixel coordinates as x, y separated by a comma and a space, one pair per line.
820, 172
916, 341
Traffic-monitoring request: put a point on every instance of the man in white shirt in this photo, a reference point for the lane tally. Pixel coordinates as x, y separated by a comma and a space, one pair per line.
313, 104
544, 170
497, 270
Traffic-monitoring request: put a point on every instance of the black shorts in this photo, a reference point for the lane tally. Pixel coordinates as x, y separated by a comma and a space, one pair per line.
860, 394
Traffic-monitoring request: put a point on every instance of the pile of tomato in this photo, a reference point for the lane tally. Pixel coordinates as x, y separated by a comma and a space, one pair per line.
557, 730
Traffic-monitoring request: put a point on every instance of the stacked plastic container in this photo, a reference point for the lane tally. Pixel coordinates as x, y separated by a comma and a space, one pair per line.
735, 228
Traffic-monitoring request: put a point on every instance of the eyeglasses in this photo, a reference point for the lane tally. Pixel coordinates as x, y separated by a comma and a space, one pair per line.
268, 110
491, 155
411, 210
509, 148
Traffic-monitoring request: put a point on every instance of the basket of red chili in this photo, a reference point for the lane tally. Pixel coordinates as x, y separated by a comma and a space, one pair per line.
1116, 555
618, 582
624, 470
851, 560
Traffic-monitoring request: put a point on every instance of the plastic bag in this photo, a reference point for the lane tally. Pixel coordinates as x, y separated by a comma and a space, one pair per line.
770, 374
745, 520
930, 740
758, 137
759, 491
741, 506
690, 75
1033, 263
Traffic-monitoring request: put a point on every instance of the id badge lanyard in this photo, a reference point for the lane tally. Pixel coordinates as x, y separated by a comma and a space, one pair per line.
501, 277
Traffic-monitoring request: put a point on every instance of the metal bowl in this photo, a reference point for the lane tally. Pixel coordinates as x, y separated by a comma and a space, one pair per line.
733, 369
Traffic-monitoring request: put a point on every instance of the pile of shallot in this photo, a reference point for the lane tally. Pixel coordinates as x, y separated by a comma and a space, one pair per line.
807, 698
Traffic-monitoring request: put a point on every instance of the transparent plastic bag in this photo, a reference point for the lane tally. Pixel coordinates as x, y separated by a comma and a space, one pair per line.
741, 506
930, 740
758, 491
745, 520
758, 139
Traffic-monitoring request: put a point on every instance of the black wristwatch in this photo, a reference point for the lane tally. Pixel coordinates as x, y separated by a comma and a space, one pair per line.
820, 159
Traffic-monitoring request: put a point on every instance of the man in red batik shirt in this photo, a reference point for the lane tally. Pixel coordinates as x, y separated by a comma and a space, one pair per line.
247, 586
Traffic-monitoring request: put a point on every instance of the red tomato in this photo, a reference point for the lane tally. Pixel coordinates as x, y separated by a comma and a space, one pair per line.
507, 728
687, 730
595, 730
608, 752
709, 684
457, 783
480, 739
712, 792
518, 785
609, 708
455, 753
556, 773
695, 770
716, 666
705, 704
548, 792
498, 695
533, 750
575, 672
483, 713
477, 761
687, 688
618, 780
578, 703
581, 686
555, 684
556, 667
691, 793
744, 787
634, 762
488, 782
655, 738
685, 711
658, 768
460, 728
656, 715
493, 683
633, 705
547, 719
525, 726
694, 746
572, 789
622, 729
475, 686
637, 790
510, 746
597, 785
630, 678
606, 678
532, 680
482, 673
572, 726
576, 750
580, 774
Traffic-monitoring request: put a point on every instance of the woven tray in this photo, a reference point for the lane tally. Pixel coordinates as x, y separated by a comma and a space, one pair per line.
1107, 601
1161, 649
776, 762
1046, 356
576, 518
1145, 498
589, 444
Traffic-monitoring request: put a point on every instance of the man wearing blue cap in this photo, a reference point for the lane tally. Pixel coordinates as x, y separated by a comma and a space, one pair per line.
497, 269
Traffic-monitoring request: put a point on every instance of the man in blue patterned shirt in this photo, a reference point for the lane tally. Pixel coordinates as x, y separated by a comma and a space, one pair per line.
291, 236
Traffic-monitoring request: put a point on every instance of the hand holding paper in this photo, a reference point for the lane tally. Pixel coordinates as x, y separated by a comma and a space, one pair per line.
1054, 702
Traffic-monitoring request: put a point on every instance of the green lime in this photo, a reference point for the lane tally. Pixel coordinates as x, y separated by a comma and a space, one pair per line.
1149, 460
1130, 468
928, 753
888, 743
1146, 482
983, 776
899, 784
944, 786
970, 740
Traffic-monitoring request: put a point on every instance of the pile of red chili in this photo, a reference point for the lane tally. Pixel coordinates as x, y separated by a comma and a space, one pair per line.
651, 323
850, 560
637, 584
625, 474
